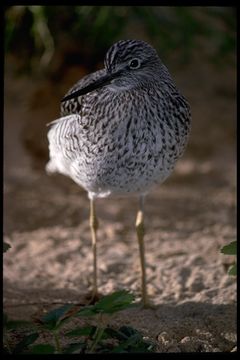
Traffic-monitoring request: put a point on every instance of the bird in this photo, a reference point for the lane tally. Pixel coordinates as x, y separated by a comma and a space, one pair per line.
120, 133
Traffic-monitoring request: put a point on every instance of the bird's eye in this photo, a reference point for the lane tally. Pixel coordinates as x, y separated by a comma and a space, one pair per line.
134, 63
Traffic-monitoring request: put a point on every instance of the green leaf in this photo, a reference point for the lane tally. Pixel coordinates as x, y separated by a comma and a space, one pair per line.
114, 302
87, 311
42, 349
56, 317
233, 270
230, 249
84, 331
116, 334
74, 347
6, 246
123, 333
130, 341
133, 344
129, 331
127, 344
109, 304
25, 342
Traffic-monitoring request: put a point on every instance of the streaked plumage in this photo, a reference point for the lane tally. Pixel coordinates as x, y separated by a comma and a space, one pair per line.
122, 128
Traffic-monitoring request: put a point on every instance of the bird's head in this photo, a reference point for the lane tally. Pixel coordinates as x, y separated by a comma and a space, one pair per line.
128, 64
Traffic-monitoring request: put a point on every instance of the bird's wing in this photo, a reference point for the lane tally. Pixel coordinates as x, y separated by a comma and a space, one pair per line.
73, 106
64, 133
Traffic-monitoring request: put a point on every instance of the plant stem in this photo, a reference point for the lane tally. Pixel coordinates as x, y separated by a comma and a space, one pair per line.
101, 320
99, 333
57, 342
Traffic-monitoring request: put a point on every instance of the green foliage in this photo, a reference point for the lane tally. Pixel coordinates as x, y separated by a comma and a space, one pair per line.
109, 304
36, 32
42, 349
231, 249
25, 342
75, 347
28, 331
84, 331
6, 247
126, 340
98, 338
233, 270
56, 318
130, 340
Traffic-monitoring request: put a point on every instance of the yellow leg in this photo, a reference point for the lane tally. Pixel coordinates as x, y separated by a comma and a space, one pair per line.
94, 227
140, 236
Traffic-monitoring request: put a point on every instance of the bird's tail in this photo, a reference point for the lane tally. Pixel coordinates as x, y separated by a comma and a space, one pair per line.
50, 168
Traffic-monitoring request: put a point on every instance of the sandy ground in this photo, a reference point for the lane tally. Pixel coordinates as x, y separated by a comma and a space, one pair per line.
188, 219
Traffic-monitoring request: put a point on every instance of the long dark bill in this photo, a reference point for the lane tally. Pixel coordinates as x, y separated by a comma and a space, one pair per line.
104, 80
